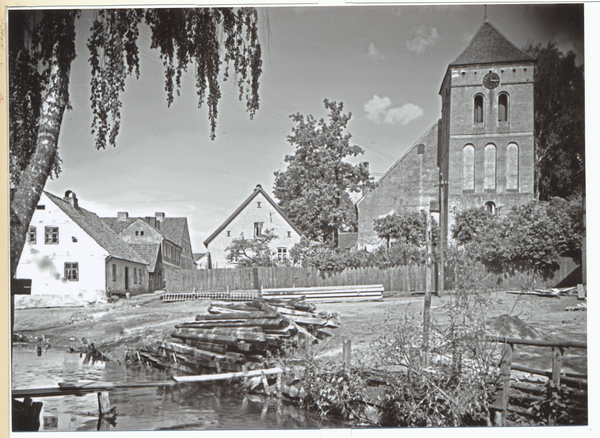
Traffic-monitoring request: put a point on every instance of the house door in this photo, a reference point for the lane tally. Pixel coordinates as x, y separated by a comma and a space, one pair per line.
126, 278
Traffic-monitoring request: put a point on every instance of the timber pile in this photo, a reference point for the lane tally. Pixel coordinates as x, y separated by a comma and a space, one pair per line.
328, 294
554, 292
239, 336
223, 295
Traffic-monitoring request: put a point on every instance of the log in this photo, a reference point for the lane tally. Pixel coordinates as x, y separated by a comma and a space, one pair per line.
240, 335
259, 322
220, 339
208, 346
301, 331
551, 343
241, 316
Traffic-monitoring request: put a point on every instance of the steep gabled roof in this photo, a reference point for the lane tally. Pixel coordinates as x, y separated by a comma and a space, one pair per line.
92, 225
117, 225
173, 228
419, 141
489, 45
149, 251
254, 194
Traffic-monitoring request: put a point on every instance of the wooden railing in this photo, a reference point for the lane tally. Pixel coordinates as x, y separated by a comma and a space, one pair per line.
501, 406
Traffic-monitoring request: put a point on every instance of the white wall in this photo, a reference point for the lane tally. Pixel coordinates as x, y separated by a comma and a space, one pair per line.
44, 263
244, 223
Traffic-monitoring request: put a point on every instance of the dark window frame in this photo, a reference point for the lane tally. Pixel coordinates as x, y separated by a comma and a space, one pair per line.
72, 271
32, 235
51, 235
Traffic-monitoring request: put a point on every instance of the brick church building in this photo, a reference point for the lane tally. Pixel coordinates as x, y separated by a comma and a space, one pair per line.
483, 145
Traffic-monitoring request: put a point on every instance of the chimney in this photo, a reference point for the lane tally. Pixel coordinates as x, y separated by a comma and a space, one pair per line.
71, 198
122, 216
150, 221
159, 216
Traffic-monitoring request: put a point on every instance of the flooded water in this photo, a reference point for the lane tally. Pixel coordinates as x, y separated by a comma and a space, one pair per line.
182, 407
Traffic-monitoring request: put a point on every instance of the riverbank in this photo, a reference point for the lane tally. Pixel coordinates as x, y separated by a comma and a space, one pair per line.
128, 324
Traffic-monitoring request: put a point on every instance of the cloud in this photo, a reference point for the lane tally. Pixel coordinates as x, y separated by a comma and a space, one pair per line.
379, 110
374, 54
425, 38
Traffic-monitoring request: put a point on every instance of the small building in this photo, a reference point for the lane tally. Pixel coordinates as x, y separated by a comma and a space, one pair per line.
72, 258
257, 214
201, 260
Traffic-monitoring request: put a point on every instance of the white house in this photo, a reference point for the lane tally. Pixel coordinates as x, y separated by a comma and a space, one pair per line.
257, 214
73, 258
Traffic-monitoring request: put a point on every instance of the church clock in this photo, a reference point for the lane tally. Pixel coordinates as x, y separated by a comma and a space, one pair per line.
491, 80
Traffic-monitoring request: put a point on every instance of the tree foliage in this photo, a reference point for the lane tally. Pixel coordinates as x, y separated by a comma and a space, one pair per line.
250, 253
531, 237
408, 228
559, 102
314, 190
42, 48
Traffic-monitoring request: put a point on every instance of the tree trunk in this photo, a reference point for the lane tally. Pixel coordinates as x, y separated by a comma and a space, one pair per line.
29, 190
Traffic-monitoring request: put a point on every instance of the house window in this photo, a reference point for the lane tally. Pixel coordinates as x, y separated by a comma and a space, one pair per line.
281, 254
114, 272
134, 275
469, 167
490, 167
258, 226
141, 233
137, 233
503, 107
32, 235
478, 108
512, 167
258, 202
72, 271
40, 207
289, 234
51, 235
421, 149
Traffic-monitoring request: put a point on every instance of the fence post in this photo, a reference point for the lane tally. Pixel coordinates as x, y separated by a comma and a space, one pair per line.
557, 355
505, 365
346, 352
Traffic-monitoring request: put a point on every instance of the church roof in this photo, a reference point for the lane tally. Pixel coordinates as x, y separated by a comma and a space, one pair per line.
490, 46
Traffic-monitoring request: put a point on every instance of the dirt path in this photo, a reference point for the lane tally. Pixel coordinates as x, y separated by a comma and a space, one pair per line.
129, 323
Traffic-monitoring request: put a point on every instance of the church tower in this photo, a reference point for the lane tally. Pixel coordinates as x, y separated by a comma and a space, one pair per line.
486, 138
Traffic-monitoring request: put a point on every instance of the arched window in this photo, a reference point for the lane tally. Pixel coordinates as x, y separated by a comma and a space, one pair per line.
503, 107
490, 207
421, 149
478, 104
469, 167
512, 167
490, 167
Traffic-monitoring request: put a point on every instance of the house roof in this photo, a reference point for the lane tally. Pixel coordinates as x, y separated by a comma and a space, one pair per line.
173, 228
149, 251
92, 225
254, 194
489, 45
117, 225
347, 240
419, 141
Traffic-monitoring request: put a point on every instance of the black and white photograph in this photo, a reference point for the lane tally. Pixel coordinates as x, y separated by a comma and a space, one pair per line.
276, 218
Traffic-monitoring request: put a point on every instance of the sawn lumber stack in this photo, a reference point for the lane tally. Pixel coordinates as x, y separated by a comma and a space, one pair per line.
240, 336
370, 292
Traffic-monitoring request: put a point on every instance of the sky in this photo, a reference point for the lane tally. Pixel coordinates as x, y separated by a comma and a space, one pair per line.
385, 63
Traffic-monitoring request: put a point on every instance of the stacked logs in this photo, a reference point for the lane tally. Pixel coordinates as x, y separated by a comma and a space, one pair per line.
240, 336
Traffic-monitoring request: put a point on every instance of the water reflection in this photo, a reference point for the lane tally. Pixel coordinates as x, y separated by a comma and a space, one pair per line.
181, 407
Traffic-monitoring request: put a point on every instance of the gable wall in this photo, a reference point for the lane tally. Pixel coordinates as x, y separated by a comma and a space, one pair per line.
243, 223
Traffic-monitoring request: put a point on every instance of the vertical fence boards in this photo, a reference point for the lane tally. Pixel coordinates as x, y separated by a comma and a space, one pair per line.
400, 278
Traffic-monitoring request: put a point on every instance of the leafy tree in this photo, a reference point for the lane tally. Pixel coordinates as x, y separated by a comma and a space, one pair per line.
472, 225
408, 227
255, 252
42, 48
559, 102
314, 190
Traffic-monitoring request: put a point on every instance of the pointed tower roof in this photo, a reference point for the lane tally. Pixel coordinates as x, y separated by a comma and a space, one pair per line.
490, 46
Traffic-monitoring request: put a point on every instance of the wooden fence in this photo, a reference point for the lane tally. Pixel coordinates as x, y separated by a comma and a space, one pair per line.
401, 278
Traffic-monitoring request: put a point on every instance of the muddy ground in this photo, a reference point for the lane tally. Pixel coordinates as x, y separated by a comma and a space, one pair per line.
130, 323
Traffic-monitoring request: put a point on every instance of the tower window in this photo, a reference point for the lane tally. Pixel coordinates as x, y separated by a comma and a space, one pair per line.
421, 149
478, 103
490, 207
490, 167
469, 167
503, 107
512, 167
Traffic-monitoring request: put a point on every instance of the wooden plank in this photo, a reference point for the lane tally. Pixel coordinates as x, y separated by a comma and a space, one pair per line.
551, 343
505, 366
226, 376
221, 339
233, 316
242, 335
